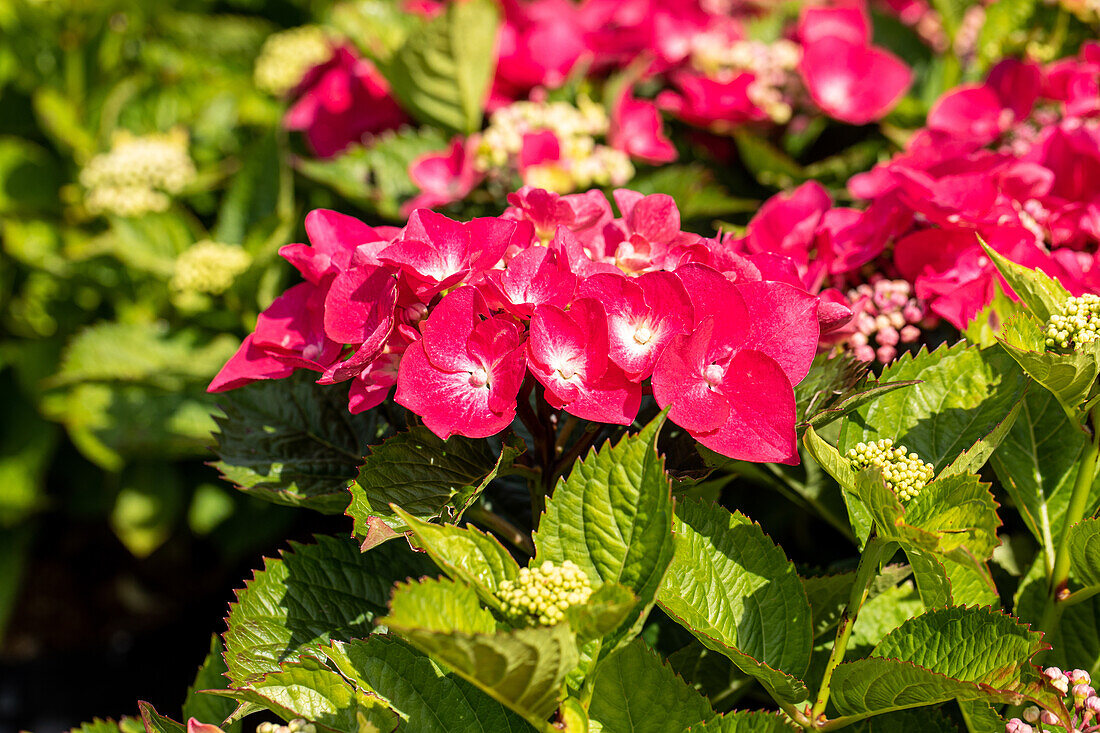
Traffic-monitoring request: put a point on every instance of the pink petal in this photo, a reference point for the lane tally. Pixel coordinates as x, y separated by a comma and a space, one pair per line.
450, 324
679, 380
783, 325
848, 23
851, 82
359, 306
248, 365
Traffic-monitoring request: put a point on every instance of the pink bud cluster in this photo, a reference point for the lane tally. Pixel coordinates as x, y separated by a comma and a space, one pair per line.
465, 318
1082, 701
886, 316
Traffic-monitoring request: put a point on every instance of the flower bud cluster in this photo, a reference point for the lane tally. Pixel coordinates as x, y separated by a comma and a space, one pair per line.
540, 596
887, 314
904, 472
209, 267
138, 174
774, 67
286, 56
1082, 701
581, 161
1076, 322
298, 725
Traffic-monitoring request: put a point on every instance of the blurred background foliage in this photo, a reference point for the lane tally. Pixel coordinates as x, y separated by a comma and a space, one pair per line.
125, 287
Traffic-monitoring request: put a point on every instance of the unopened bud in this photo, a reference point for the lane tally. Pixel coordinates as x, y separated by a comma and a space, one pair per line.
1017, 726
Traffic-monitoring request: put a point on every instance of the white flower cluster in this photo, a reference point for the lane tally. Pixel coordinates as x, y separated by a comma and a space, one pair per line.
904, 472
286, 56
773, 66
1077, 322
1083, 702
298, 725
138, 174
539, 596
583, 162
209, 267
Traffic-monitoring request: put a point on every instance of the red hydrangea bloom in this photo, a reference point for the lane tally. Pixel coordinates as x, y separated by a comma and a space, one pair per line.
342, 101
443, 177
464, 375
637, 130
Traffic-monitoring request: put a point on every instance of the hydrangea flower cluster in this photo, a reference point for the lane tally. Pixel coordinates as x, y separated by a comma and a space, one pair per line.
466, 318
1076, 322
209, 267
1081, 700
775, 86
297, 725
904, 473
288, 55
540, 596
549, 145
139, 174
886, 316
553, 145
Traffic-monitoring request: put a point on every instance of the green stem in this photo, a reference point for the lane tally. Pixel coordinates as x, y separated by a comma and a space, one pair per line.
1079, 596
1078, 503
490, 520
861, 587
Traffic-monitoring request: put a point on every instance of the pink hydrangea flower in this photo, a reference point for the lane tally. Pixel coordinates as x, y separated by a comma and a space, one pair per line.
637, 129
342, 101
443, 177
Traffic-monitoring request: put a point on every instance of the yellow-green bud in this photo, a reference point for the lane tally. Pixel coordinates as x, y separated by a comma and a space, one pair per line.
209, 267
298, 725
1076, 322
138, 174
539, 596
286, 57
904, 473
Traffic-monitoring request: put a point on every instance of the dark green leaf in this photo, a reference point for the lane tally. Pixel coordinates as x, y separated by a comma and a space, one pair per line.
293, 442
204, 707
1041, 293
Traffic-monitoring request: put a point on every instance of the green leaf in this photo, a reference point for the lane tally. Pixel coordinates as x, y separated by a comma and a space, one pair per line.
924, 720
29, 177
637, 692
964, 653
839, 468
157, 723
440, 606
964, 395
293, 442
524, 669
442, 72
976, 456
1002, 20
770, 165
377, 27
604, 611
99, 726
738, 594
142, 353
986, 326
612, 516
1041, 293
311, 593
960, 510
149, 244
428, 698
828, 594
307, 689
747, 722
148, 506
955, 579
465, 554
1084, 552
698, 195
253, 193
204, 707
426, 477
1037, 465
1070, 377
59, 118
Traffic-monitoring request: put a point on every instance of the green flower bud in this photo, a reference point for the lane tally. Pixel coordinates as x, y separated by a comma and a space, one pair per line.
1076, 322
539, 596
138, 174
209, 267
904, 473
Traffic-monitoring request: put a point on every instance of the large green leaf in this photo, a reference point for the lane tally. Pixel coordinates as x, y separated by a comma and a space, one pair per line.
426, 477
912, 721
964, 395
738, 594
141, 352
466, 554
293, 442
204, 707
255, 191
1041, 293
697, 193
311, 593
612, 516
1084, 552
428, 698
157, 723
964, 653
1037, 465
524, 669
442, 72
1069, 377
637, 692
307, 689
828, 594
747, 722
